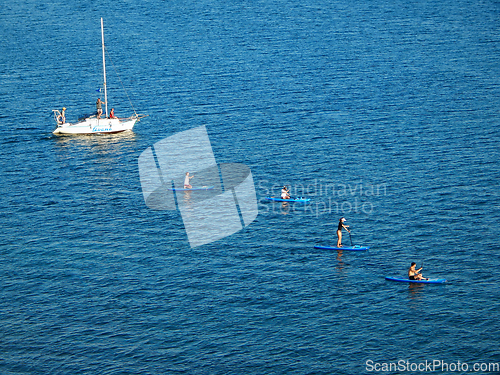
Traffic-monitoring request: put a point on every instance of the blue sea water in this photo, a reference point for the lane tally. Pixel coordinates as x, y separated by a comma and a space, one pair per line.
385, 112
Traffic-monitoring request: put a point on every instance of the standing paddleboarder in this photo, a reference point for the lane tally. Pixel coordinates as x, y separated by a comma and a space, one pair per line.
339, 231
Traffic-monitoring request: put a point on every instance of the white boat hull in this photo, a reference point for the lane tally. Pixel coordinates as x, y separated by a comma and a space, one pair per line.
93, 125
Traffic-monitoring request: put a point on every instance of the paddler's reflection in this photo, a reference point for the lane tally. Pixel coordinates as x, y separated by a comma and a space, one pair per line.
339, 254
340, 261
186, 197
285, 208
415, 290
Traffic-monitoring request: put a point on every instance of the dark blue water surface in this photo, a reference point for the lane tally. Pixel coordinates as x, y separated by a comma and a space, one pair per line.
386, 112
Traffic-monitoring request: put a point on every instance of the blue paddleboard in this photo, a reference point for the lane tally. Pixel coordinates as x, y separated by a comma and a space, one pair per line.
292, 199
430, 281
194, 188
349, 248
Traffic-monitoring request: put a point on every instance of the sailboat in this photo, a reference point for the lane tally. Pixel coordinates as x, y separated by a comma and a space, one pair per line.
96, 124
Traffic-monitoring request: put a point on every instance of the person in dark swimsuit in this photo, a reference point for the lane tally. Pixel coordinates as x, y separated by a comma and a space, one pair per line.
339, 231
414, 274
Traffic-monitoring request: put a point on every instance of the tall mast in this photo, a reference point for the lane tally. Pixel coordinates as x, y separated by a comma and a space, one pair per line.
104, 69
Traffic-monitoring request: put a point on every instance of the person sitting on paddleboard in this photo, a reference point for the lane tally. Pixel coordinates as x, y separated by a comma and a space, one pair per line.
339, 231
285, 193
187, 185
414, 274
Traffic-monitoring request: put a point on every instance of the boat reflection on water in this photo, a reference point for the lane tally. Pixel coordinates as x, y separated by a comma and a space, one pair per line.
95, 139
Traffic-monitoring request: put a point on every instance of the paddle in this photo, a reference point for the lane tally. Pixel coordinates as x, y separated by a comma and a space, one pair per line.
350, 238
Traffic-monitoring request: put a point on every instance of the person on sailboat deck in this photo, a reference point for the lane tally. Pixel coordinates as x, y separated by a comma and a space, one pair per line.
414, 274
187, 185
62, 118
99, 104
112, 113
